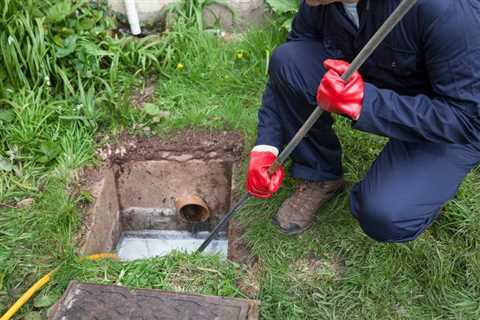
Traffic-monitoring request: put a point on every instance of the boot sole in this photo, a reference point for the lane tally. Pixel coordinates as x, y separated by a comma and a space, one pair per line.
302, 230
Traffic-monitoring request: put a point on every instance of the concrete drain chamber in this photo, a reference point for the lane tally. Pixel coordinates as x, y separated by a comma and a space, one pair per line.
156, 195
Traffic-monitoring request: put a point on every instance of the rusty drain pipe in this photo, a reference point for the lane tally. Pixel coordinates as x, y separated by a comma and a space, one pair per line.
192, 209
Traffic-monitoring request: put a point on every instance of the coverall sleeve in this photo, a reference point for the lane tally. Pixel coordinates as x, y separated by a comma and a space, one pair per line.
306, 24
451, 46
270, 131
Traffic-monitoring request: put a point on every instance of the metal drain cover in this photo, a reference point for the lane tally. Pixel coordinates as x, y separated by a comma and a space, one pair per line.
144, 244
106, 302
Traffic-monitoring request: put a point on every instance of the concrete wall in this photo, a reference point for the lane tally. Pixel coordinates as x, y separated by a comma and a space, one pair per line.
234, 15
148, 10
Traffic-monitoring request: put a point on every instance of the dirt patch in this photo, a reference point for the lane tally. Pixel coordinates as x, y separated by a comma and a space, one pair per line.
249, 284
183, 145
238, 250
313, 267
25, 203
143, 94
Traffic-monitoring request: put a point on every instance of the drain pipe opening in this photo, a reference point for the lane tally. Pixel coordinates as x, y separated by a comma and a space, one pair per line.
192, 209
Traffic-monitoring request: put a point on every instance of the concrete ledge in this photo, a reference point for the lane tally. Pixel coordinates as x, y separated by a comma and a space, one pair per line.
101, 222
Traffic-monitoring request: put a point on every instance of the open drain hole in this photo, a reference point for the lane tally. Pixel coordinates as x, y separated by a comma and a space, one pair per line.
162, 196
193, 213
192, 209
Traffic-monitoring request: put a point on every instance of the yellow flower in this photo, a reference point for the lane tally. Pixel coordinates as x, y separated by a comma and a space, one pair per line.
240, 55
180, 66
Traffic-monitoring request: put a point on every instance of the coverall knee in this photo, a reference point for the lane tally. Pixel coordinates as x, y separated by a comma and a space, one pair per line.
406, 187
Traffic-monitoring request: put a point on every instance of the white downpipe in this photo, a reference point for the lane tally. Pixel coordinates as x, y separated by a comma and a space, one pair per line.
132, 15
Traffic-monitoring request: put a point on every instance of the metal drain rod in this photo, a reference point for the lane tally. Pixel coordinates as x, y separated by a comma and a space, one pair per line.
240, 203
393, 20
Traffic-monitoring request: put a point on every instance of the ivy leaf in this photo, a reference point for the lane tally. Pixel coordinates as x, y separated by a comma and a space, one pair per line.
151, 109
93, 50
50, 150
69, 46
58, 40
59, 11
87, 24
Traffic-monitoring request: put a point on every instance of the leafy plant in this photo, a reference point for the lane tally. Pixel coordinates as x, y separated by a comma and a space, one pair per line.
285, 9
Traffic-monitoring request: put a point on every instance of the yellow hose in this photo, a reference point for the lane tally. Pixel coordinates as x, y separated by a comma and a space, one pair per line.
42, 282
100, 256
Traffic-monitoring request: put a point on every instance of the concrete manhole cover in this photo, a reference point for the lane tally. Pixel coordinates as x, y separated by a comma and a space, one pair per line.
90, 301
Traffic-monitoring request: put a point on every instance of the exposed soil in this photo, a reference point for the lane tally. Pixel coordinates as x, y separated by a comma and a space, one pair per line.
25, 203
143, 94
238, 250
250, 283
183, 145
90, 175
312, 267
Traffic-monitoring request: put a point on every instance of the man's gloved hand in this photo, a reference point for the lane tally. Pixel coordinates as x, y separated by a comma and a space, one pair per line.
259, 182
337, 96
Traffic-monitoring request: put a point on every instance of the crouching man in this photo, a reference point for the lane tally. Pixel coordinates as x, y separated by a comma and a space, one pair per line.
420, 88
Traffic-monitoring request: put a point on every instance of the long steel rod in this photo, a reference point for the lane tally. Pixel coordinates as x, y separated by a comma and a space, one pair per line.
224, 221
393, 20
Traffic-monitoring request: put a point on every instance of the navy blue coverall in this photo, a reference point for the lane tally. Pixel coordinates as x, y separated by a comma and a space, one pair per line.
422, 91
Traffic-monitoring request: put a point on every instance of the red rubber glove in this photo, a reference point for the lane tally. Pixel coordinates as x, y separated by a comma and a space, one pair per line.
259, 182
337, 96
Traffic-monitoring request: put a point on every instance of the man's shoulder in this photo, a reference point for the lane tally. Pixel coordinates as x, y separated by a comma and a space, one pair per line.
431, 10
452, 13
438, 8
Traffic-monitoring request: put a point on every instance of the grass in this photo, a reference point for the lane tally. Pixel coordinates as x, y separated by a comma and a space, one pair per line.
49, 130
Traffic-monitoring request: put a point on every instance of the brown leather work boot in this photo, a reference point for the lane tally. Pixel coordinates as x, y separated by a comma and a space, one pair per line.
297, 212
